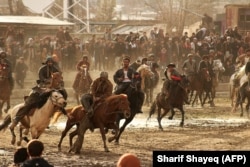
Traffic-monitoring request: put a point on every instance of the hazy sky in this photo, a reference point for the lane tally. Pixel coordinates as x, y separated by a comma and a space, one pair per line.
37, 5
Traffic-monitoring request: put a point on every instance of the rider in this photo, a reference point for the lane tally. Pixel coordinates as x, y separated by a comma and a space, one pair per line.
4, 60
247, 72
84, 63
189, 66
45, 71
101, 88
172, 77
123, 78
37, 92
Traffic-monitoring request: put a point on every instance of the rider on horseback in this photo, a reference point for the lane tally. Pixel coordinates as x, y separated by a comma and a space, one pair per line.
81, 66
4, 60
246, 84
101, 88
189, 67
172, 78
38, 91
123, 78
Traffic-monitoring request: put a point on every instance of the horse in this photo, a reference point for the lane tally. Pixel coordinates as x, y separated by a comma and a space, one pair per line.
5, 87
218, 69
38, 118
197, 82
235, 82
104, 117
149, 82
136, 100
175, 100
82, 83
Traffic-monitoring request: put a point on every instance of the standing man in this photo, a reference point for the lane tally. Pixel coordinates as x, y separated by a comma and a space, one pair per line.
21, 69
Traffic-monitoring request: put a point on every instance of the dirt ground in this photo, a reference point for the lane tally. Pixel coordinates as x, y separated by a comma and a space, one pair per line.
205, 128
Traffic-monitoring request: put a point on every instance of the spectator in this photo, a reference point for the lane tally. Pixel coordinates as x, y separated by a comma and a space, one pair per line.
128, 160
20, 156
35, 149
21, 69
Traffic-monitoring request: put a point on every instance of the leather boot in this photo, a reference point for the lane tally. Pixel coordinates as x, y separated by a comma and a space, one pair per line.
90, 124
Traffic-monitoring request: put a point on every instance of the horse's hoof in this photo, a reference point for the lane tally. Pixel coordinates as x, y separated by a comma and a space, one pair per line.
116, 143
18, 143
13, 142
181, 124
170, 118
107, 150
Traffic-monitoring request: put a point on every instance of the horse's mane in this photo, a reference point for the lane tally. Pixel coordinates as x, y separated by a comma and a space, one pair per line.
143, 67
240, 73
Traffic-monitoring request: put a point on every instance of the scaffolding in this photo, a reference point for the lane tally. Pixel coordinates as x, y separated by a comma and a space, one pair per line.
76, 11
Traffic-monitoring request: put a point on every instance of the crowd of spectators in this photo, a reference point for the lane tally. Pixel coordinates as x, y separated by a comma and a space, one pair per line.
105, 51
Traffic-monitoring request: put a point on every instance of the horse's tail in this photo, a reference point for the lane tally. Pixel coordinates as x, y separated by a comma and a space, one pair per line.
152, 109
5, 123
57, 114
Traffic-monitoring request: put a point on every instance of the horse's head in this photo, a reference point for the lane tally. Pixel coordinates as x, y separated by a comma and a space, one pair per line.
204, 75
123, 105
58, 98
56, 80
218, 66
4, 71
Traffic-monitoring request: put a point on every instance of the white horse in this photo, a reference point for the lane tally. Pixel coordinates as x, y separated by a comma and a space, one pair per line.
218, 68
235, 82
38, 119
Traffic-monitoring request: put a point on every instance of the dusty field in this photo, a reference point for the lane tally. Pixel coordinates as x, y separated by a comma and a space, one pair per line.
204, 129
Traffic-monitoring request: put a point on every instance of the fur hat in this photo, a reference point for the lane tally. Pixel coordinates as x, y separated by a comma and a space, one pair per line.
171, 65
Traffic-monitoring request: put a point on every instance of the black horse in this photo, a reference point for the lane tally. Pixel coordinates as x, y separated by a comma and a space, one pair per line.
176, 99
136, 98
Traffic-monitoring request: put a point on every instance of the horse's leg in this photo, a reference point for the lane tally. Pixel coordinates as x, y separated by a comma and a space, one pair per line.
13, 140
182, 116
160, 116
116, 128
72, 135
1, 107
102, 131
20, 135
172, 113
77, 98
8, 105
76, 147
64, 133
127, 121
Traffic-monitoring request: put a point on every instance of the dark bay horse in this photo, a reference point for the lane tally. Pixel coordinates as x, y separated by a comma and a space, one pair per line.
105, 114
136, 100
39, 118
175, 100
5, 87
82, 83
198, 83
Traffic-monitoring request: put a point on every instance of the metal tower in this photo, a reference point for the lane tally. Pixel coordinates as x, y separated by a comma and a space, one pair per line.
76, 11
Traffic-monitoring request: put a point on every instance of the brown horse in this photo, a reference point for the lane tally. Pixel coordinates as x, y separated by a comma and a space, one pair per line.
176, 100
5, 87
105, 114
38, 118
149, 82
82, 83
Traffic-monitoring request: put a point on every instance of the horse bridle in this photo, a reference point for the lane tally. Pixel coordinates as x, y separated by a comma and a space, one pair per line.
55, 100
